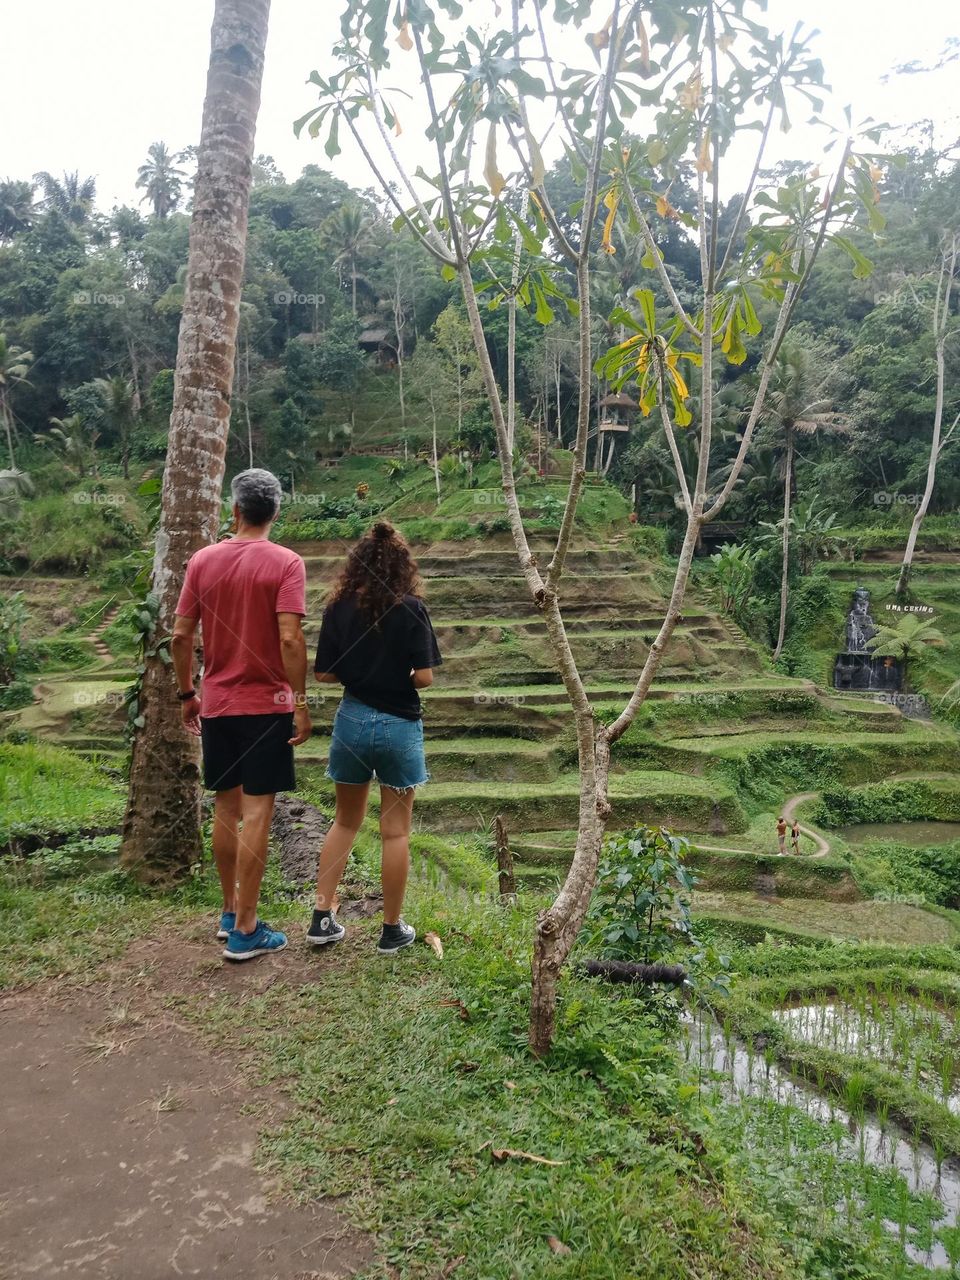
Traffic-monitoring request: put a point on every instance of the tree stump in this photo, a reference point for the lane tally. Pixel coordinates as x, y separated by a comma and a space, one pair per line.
508, 883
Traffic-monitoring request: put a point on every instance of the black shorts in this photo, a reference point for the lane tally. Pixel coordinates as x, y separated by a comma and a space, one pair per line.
252, 752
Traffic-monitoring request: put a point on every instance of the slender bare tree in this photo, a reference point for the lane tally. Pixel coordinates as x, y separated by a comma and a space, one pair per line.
944, 327
161, 828
678, 58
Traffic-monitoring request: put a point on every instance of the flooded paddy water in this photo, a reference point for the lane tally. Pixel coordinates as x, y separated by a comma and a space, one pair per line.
912, 833
913, 1035
927, 1197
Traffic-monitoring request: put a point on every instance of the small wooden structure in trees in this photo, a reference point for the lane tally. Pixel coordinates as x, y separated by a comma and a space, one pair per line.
615, 414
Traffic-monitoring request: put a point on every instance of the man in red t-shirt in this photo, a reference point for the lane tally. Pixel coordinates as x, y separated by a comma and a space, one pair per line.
249, 596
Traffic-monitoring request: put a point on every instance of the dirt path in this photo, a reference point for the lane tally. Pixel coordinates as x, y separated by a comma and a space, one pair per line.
823, 846
128, 1149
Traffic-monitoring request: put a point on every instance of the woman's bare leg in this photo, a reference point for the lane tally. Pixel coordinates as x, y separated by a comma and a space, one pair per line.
337, 843
396, 815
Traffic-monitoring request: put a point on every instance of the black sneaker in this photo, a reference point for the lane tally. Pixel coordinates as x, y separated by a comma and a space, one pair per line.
394, 937
324, 929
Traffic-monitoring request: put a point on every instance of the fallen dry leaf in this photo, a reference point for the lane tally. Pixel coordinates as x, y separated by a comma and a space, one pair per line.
508, 1084
452, 1265
433, 942
500, 1154
557, 1246
459, 1006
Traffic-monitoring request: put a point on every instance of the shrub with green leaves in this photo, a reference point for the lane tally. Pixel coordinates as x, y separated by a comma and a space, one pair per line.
13, 619
642, 904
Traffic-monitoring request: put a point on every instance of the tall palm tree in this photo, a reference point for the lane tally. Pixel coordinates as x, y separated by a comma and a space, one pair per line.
348, 233
117, 397
16, 207
161, 180
14, 366
75, 442
161, 828
796, 403
72, 196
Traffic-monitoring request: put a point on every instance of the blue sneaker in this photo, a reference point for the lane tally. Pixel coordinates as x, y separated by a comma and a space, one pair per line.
228, 921
263, 940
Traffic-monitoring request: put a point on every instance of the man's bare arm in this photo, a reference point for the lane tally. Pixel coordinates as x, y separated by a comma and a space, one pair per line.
293, 651
181, 651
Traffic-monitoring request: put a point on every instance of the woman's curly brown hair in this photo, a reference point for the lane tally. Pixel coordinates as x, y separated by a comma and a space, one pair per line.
379, 572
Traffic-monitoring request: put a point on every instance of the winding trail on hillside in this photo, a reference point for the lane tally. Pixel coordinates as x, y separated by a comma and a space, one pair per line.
788, 810
823, 846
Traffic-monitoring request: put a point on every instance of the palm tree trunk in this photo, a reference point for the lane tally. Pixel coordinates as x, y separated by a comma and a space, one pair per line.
5, 415
785, 568
921, 511
161, 828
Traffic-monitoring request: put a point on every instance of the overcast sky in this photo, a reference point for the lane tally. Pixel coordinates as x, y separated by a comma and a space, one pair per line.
90, 85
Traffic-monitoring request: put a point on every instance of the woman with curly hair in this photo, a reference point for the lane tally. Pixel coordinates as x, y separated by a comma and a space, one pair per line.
376, 640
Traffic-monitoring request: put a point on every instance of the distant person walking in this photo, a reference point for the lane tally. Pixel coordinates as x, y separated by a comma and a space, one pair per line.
377, 641
782, 835
248, 595
795, 836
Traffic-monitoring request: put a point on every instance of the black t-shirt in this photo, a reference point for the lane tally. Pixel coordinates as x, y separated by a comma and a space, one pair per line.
373, 663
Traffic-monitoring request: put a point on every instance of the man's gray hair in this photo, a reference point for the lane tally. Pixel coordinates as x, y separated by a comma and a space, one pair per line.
257, 493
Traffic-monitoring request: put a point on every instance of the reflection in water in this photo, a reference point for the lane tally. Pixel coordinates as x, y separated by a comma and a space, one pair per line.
748, 1074
920, 1040
912, 833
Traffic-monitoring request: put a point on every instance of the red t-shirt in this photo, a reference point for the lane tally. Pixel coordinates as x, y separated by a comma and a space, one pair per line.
236, 589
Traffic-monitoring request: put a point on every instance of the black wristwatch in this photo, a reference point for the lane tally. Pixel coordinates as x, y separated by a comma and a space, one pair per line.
190, 693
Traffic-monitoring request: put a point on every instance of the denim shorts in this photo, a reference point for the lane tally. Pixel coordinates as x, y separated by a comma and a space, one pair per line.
368, 743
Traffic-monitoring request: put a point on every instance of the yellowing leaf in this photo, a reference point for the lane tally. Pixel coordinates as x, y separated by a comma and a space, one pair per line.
691, 95
494, 178
676, 378
404, 39
704, 163
433, 942
644, 44
537, 167
558, 1247
611, 200
600, 39
682, 415
665, 208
